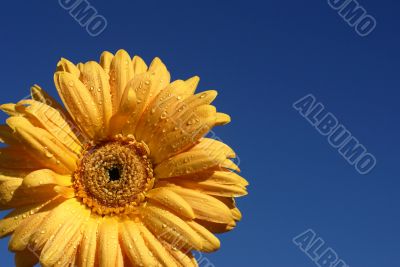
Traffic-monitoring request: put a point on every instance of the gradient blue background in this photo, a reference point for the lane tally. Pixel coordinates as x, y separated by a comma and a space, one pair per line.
261, 56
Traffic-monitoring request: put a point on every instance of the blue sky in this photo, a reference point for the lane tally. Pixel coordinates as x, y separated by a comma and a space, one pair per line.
261, 56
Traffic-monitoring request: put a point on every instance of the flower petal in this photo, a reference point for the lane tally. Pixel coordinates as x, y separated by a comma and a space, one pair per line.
16, 157
50, 119
158, 250
120, 257
9, 109
188, 163
139, 66
144, 86
9, 223
108, 242
23, 233
121, 72
40, 95
88, 246
52, 223
134, 245
213, 146
210, 242
13, 194
156, 114
46, 177
183, 132
192, 83
60, 248
171, 200
204, 206
155, 80
79, 103
216, 183
167, 226
126, 107
182, 257
48, 150
105, 61
67, 66
96, 81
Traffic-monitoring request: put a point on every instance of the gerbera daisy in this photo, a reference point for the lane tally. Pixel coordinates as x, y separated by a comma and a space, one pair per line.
123, 175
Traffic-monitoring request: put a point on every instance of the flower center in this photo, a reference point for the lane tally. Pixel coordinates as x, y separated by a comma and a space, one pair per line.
113, 176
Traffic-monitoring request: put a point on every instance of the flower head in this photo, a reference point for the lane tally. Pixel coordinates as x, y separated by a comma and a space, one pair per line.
123, 175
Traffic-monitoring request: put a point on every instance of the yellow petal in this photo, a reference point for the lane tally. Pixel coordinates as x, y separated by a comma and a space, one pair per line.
171, 200
213, 147
120, 257
79, 103
222, 119
217, 227
49, 151
134, 245
96, 81
156, 115
60, 248
158, 68
231, 204
68, 66
184, 132
9, 223
204, 206
105, 61
126, 108
46, 177
155, 80
216, 183
139, 66
13, 194
53, 121
167, 226
182, 257
65, 192
158, 250
210, 242
23, 233
143, 85
40, 95
16, 157
237, 215
26, 258
52, 223
178, 115
88, 246
121, 72
108, 242
218, 177
188, 162
9, 109
192, 83
229, 165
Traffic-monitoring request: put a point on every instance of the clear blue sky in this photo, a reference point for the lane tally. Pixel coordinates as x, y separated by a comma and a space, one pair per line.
262, 56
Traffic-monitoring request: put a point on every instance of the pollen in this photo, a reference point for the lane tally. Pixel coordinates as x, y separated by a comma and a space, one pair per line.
113, 176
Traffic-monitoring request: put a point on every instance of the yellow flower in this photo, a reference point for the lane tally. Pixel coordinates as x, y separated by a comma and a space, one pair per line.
122, 176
